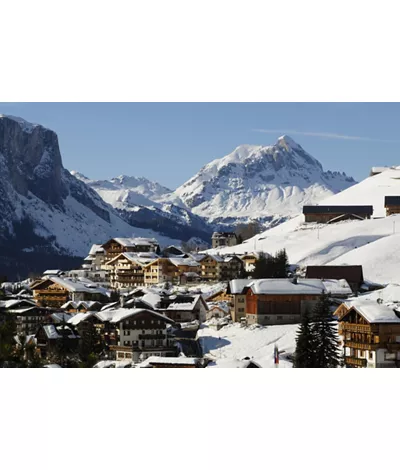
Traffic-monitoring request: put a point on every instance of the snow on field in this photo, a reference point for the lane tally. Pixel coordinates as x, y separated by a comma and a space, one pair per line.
233, 342
373, 243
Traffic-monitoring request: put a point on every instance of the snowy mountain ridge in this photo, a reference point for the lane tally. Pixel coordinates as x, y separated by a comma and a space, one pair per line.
260, 181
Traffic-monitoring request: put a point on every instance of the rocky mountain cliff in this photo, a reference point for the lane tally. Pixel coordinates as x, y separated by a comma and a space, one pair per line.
268, 183
48, 218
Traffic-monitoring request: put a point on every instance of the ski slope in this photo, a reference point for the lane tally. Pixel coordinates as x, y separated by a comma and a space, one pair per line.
373, 243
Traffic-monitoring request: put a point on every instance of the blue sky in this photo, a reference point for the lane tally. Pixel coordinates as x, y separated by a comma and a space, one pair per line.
170, 142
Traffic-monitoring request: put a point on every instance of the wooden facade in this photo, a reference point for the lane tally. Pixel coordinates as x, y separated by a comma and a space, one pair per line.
275, 309
125, 272
115, 247
368, 344
329, 214
50, 294
392, 205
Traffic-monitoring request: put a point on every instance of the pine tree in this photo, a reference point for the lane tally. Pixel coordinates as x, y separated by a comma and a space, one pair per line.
324, 331
281, 263
8, 331
305, 356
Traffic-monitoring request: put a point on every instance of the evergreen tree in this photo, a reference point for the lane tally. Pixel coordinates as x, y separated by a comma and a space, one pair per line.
305, 356
281, 264
261, 268
8, 331
324, 331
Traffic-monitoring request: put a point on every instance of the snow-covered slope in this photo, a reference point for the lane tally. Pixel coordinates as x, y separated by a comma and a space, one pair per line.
258, 182
139, 201
232, 343
373, 243
45, 208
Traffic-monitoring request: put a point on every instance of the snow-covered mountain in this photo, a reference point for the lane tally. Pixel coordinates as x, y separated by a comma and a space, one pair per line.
373, 243
139, 201
260, 182
44, 210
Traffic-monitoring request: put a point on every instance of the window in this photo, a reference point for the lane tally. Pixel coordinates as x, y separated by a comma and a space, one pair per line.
241, 300
390, 356
361, 353
370, 355
241, 309
143, 332
279, 317
143, 344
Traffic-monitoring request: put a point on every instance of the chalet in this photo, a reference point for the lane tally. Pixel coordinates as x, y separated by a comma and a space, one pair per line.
116, 246
218, 310
127, 270
281, 301
222, 239
185, 308
370, 333
173, 251
54, 291
230, 268
352, 274
50, 339
95, 259
211, 268
99, 276
184, 266
28, 316
236, 289
142, 333
332, 214
392, 205
189, 278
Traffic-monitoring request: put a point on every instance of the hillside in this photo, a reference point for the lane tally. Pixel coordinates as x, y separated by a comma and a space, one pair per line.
373, 243
269, 183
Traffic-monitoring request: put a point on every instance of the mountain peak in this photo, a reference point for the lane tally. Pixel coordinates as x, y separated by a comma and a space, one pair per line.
25, 125
286, 141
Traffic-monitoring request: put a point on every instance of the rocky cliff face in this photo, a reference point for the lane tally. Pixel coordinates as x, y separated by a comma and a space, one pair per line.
44, 210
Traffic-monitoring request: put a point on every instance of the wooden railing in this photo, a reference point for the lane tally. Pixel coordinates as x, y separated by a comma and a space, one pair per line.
356, 361
363, 346
352, 327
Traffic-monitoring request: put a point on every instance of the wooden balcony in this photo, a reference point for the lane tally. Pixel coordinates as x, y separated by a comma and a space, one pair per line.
362, 346
356, 361
354, 328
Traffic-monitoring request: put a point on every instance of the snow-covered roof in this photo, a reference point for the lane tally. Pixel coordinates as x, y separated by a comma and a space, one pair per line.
287, 286
60, 317
81, 303
184, 262
120, 314
374, 312
96, 249
78, 285
53, 272
186, 306
337, 287
151, 299
52, 332
133, 242
182, 361
79, 317
236, 286
135, 258
14, 302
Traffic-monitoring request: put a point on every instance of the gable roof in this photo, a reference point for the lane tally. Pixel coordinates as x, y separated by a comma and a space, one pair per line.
372, 311
236, 286
78, 285
350, 273
188, 306
184, 262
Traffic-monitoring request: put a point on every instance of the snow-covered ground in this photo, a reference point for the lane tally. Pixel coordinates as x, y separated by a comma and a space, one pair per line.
373, 243
233, 342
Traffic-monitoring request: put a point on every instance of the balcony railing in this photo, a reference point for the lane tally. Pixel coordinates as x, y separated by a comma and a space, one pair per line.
363, 346
356, 361
352, 327
150, 336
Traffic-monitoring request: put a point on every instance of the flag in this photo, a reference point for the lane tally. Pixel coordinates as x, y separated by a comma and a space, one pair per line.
276, 355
